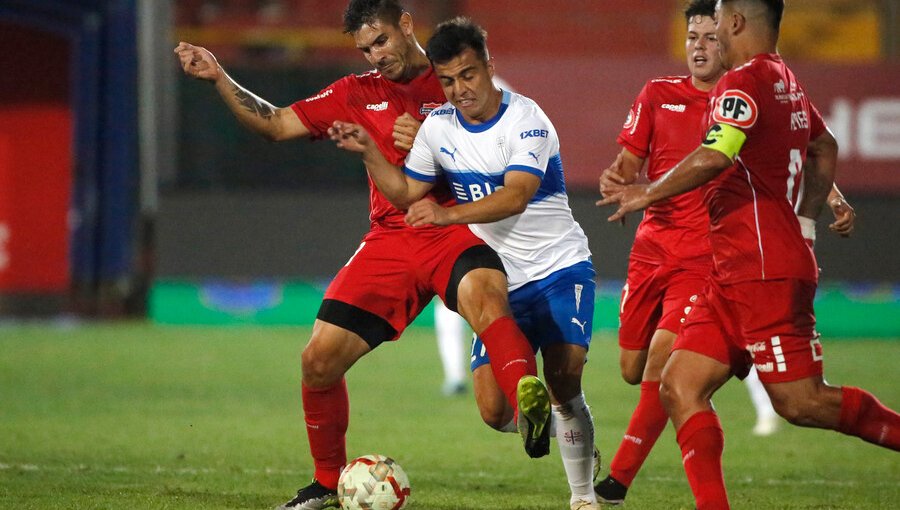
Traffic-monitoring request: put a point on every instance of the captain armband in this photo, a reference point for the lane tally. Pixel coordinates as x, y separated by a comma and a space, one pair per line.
726, 139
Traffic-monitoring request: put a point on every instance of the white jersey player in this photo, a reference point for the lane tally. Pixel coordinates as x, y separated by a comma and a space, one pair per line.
500, 154
475, 158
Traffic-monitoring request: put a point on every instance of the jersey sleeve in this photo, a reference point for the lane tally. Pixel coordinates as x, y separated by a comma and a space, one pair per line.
735, 103
533, 142
638, 129
421, 164
319, 112
817, 124
733, 113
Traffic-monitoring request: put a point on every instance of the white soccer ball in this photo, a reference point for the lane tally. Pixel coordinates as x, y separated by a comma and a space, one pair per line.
373, 482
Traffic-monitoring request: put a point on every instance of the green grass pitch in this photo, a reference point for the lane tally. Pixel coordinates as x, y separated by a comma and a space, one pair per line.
137, 416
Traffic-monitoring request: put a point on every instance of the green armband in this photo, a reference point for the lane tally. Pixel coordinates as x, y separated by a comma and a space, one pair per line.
726, 139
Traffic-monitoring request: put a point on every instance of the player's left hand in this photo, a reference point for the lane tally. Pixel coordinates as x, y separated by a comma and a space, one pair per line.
844, 217
427, 212
630, 198
350, 137
405, 128
612, 176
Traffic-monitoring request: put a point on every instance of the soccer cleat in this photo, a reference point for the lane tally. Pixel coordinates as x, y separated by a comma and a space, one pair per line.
610, 491
596, 465
453, 388
585, 505
766, 426
314, 496
533, 420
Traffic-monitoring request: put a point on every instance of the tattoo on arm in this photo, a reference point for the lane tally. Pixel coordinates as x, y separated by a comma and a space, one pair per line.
252, 104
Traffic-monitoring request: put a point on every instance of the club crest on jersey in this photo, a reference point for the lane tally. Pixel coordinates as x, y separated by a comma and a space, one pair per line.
736, 108
427, 108
630, 120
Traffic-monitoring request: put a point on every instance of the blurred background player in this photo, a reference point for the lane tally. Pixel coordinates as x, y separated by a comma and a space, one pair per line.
758, 306
671, 258
381, 289
500, 153
450, 330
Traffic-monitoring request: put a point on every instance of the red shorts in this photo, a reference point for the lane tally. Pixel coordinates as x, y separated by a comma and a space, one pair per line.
392, 276
655, 297
768, 323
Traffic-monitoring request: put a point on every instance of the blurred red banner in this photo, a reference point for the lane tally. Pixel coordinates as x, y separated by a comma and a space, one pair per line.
35, 186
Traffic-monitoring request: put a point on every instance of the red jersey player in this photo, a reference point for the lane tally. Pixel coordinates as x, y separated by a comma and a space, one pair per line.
396, 270
671, 258
758, 305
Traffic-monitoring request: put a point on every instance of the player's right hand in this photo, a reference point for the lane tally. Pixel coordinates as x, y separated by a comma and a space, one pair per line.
349, 136
405, 128
630, 198
198, 62
844, 216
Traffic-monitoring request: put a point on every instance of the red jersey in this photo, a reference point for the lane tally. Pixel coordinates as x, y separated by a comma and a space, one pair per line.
754, 231
666, 124
375, 103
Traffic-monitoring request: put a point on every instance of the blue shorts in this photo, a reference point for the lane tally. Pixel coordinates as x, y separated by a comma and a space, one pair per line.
556, 309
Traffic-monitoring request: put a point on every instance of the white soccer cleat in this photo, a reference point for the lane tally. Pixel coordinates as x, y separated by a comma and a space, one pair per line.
766, 426
585, 505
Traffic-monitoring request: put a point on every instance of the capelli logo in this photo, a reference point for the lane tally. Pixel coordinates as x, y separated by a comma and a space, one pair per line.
678, 108
378, 107
320, 95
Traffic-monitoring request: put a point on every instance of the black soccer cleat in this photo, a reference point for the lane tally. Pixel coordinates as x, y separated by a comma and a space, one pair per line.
314, 496
610, 491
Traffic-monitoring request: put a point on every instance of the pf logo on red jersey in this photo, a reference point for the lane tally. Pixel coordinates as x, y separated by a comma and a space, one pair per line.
736, 108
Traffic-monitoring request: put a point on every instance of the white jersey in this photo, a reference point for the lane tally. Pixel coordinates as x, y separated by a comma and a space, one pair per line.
474, 159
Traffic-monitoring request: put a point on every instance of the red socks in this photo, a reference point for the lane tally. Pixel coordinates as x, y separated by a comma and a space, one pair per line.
511, 355
863, 416
702, 441
647, 422
327, 412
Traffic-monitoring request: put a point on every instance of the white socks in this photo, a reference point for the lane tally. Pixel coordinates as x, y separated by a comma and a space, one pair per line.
575, 437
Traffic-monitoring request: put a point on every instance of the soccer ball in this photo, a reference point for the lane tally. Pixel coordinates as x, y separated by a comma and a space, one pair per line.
373, 482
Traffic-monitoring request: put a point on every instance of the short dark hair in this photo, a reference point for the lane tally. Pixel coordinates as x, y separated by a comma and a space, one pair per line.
452, 37
366, 12
700, 8
774, 10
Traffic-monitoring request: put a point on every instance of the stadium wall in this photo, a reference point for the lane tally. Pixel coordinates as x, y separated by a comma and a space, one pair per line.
263, 258
310, 235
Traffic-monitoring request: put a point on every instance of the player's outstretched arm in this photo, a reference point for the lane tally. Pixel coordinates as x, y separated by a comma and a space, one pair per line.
511, 199
698, 168
818, 174
400, 190
844, 215
252, 111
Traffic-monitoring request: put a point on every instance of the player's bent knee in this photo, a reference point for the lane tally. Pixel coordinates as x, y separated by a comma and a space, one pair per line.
494, 418
319, 371
631, 364
674, 394
804, 412
631, 374
481, 300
